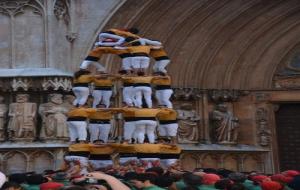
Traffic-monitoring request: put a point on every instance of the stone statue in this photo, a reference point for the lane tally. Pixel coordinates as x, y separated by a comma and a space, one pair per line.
3, 112
54, 118
68, 102
22, 118
226, 125
188, 121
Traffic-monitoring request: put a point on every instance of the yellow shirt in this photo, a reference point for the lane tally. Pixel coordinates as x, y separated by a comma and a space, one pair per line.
79, 147
102, 114
99, 51
123, 33
101, 149
83, 79
80, 112
155, 53
165, 80
139, 49
138, 79
169, 149
147, 148
167, 114
128, 112
108, 81
124, 148
146, 112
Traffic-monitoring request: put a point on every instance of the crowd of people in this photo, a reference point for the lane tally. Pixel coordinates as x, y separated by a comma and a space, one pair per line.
154, 178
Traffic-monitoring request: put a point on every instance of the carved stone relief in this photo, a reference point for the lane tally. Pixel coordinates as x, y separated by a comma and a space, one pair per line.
3, 112
57, 83
21, 84
263, 131
225, 95
61, 10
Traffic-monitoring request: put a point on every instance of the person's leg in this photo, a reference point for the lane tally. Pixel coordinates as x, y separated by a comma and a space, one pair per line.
81, 130
106, 94
138, 96
72, 131
140, 131
147, 92
162, 65
94, 132
165, 96
150, 130
126, 64
128, 95
84, 94
104, 132
129, 128
158, 96
172, 132
97, 96
162, 130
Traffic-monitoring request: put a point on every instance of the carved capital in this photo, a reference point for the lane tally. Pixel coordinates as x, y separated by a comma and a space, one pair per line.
21, 84
61, 10
225, 95
263, 131
187, 93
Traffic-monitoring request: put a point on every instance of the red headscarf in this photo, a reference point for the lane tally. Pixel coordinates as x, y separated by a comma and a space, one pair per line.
210, 179
271, 185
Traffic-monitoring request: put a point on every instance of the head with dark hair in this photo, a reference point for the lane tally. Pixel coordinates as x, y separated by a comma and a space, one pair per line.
81, 72
74, 187
237, 186
224, 172
237, 177
192, 181
35, 179
11, 186
158, 170
164, 181
17, 178
210, 170
223, 184
133, 30
295, 183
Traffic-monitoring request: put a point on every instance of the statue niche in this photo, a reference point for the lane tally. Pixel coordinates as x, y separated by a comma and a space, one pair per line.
3, 112
22, 119
188, 120
224, 125
53, 114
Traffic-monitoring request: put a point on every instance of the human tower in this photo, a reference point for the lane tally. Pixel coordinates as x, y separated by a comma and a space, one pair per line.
140, 120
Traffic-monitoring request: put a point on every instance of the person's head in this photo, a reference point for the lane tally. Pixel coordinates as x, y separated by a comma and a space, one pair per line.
158, 170
223, 184
164, 181
133, 30
35, 179
237, 186
56, 98
237, 177
144, 180
21, 98
191, 180
51, 186
210, 179
271, 185
11, 186
17, 178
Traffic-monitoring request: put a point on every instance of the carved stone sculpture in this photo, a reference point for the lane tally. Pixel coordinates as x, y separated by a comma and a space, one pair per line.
22, 118
3, 112
54, 118
188, 121
225, 125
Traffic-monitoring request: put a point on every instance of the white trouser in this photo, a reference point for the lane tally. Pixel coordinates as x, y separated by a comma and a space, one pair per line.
140, 62
129, 128
77, 129
169, 130
128, 95
145, 91
126, 63
163, 97
97, 164
99, 131
165, 163
101, 95
160, 66
148, 127
81, 93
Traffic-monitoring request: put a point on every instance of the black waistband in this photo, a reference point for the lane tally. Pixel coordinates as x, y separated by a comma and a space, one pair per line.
99, 157
161, 58
127, 84
140, 55
169, 156
141, 84
79, 153
124, 55
91, 58
103, 88
128, 119
145, 118
99, 121
76, 119
81, 85
148, 155
167, 121
124, 155
162, 87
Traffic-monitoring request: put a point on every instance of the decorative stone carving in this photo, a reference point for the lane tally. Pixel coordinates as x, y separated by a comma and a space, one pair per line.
68, 102
187, 93
71, 36
14, 7
22, 118
188, 130
61, 10
54, 118
225, 125
225, 95
262, 96
290, 82
57, 83
3, 112
263, 131
21, 84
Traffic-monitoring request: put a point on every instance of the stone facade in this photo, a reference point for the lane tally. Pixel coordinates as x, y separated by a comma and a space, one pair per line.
242, 54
